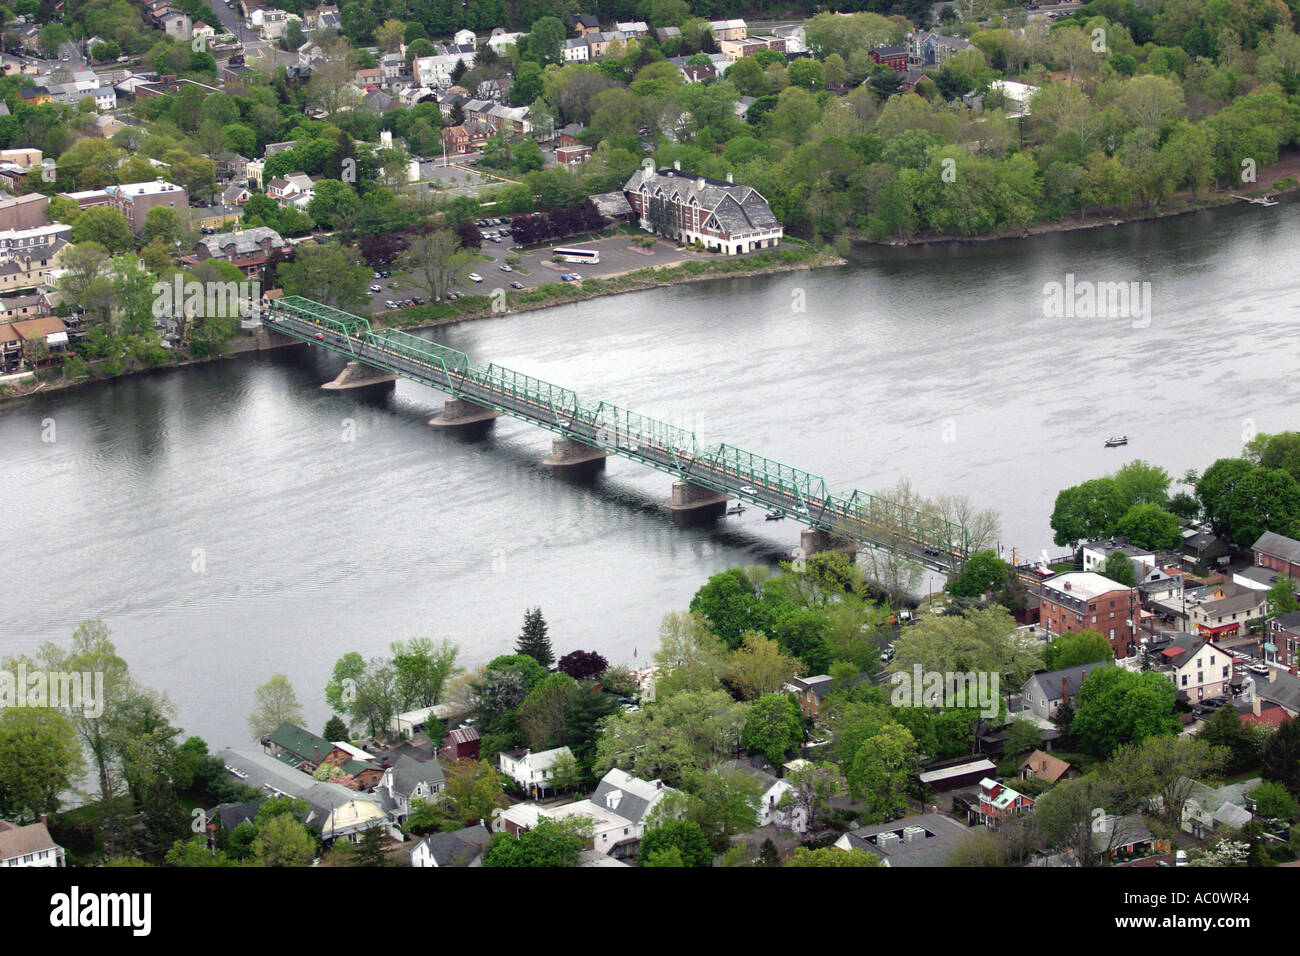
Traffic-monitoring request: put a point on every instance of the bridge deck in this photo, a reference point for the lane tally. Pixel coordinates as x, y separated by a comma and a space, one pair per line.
866, 519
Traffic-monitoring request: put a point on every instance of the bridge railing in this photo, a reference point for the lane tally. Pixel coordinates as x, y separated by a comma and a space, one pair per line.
870, 519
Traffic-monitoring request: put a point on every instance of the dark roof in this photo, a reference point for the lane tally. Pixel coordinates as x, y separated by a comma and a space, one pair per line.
458, 847
1279, 546
408, 773
1049, 682
301, 743
889, 50
232, 815
1290, 622
932, 848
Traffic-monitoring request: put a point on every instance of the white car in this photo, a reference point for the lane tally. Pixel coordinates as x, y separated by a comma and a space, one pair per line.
475, 277
376, 288
390, 304
749, 489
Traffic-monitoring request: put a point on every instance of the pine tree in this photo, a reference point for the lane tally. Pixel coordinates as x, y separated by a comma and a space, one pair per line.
533, 641
336, 729
370, 851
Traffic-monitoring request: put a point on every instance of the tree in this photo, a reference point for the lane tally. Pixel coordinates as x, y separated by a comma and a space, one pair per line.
423, 670
1150, 526
195, 852
1264, 450
982, 572
103, 225
721, 802
335, 729
881, 772
1226, 730
474, 790
533, 640
1281, 758
1215, 486
543, 712
437, 262
370, 852
1022, 736
1065, 816
1086, 512
544, 40
815, 785
833, 856
276, 704
1078, 647
1166, 768
773, 727
1116, 707
1119, 568
334, 204
681, 836
551, 843
982, 639
688, 731
1265, 499
807, 73
39, 758
581, 665
327, 272
283, 841
758, 668
1281, 597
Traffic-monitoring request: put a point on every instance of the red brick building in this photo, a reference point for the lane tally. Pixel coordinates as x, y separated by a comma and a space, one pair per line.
461, 744
1087, 601
894, 57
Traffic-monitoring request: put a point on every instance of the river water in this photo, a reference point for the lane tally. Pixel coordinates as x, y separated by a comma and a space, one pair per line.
232, 521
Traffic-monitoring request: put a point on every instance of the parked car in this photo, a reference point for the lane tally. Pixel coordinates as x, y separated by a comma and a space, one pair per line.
506, 268
377, 275
475, 277
376, 288
516, 285
417, 300
389, 303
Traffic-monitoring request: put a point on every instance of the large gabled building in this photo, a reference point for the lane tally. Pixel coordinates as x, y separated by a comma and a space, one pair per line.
721, 216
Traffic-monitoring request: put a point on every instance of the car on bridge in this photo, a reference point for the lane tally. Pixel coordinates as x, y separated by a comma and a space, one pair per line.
749, 489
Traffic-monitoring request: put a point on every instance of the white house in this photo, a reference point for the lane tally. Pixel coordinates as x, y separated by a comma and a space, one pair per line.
768, 809
435, 71
28, 846
532, 771
1197, 666
464, 38
498, 41
455, 848
1095, 554
576, 50
409, 780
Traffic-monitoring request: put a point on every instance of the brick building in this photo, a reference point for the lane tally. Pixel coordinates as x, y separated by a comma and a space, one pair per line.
1085, 600
721, 216
134, 200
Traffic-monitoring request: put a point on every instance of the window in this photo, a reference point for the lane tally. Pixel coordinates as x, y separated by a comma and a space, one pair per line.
1184, 680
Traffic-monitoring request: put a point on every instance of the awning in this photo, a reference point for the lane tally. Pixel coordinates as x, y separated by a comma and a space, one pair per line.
57, 338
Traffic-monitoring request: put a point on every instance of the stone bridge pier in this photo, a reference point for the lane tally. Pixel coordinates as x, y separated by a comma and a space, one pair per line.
457, 413
688, 497
815, 541
570, 453
360, 375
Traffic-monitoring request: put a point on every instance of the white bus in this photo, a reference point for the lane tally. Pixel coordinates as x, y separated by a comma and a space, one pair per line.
577, 255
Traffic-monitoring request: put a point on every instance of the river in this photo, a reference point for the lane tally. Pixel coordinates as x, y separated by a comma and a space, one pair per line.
232, 521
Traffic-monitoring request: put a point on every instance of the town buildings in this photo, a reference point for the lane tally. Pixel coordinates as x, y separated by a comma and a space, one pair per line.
1084, 600
720, 216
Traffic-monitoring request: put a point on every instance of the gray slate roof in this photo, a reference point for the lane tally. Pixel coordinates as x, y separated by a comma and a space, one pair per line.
249, 240
1279, 546
264, 772
458, 847
736, 208
1049, 682
409, 772
943, 833
631, 795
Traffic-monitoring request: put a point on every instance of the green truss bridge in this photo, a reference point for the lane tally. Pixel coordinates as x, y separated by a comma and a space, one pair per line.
709, 474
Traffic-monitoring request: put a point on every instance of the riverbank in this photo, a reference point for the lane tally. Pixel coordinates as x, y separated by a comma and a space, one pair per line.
788, 259
1281, 178
502, 302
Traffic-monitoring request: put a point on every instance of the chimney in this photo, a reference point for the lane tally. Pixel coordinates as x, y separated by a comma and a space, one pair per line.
677, 165
729, 179
1065, 687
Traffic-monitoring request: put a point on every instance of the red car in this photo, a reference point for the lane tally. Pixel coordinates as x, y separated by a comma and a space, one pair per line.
320, 337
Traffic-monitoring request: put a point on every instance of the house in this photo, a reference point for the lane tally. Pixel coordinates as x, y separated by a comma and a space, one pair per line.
134, 200
29, 846
926, 840
1278, 553
1206, 809
796, 38
585, 23
24, 212
1280, 689
728, 29
20, 307
632, 28
1222, 610
1122, 836
407, 780
1203, 551
894, 57
235, 195
612, 206
456, 139
572, 155
299, 748
34, 241
249, 249
721, 216
452, 848
809, 693
1045, 767
461, 744
617, 810
177, 25
667, 33
532, 771
699, 73
772, 790
294, 189
35, 95
106, 127
954, 774
1095, 554
1084, 600
576, 50
929, 49
998, 801
1282, 641
1044, 692
324, 799
500, 40
1198, 667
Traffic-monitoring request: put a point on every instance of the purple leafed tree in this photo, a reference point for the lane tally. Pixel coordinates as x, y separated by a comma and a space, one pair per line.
582, 664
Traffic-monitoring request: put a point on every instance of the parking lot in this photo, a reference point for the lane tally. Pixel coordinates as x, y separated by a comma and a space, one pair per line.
617, 254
